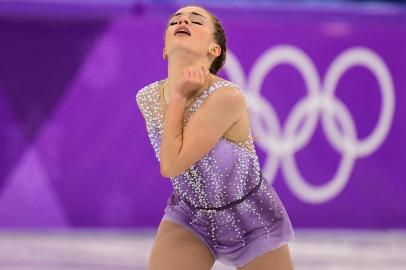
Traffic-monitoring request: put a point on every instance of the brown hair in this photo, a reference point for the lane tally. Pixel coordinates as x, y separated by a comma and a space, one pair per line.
220, 38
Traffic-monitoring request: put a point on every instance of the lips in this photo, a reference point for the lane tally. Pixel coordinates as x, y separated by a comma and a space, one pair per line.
182, 29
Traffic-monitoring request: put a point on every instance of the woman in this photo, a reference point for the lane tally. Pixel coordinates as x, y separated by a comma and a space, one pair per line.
221, 207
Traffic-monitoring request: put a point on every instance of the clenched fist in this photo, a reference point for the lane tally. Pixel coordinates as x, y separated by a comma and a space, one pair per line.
191, 80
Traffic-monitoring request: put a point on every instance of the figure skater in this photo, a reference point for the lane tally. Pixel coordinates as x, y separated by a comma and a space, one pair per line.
221, 207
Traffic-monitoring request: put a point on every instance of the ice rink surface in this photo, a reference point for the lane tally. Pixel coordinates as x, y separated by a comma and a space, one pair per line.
124, 249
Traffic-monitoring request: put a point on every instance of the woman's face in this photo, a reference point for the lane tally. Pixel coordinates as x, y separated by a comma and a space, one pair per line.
200, 27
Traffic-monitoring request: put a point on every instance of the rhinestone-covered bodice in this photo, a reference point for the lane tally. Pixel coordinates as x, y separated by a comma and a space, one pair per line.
225, 174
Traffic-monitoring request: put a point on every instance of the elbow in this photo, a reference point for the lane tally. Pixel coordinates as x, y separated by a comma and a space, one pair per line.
165, 171
168, 171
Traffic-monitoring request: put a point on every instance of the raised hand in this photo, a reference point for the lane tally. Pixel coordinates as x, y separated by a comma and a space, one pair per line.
191, 80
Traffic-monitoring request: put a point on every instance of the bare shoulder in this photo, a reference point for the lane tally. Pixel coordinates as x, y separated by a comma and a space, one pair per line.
228, 96
228, 92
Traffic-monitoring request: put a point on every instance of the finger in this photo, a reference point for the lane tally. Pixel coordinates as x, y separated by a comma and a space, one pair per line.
189, 72
201, 74
185, 72
192, 73
205, 73
196, 74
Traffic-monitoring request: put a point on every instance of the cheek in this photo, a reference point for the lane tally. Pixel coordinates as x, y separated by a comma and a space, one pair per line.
167, 36
204, 37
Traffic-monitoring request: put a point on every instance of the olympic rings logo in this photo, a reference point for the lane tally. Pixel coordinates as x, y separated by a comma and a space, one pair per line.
320, 102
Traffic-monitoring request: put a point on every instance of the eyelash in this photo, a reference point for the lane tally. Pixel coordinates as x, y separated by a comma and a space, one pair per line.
173, 23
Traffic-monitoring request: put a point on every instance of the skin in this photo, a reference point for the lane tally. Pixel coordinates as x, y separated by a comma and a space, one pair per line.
189, 59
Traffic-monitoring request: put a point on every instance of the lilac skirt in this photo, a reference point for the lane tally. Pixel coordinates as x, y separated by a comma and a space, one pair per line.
237, 235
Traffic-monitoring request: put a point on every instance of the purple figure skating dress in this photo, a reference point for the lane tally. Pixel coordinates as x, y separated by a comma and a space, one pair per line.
223, 198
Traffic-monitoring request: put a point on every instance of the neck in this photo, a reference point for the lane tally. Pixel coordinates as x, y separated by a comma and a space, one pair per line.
180, 60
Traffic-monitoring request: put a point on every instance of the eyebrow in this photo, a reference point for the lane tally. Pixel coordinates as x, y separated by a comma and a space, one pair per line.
193, 12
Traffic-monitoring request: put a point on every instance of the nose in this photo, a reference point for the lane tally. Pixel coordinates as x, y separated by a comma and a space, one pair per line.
185, 20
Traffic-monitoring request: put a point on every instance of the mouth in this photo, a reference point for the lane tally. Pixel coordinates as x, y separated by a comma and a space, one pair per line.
182, 30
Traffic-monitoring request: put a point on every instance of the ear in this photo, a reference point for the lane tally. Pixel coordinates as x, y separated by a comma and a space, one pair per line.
215, 50
164, 55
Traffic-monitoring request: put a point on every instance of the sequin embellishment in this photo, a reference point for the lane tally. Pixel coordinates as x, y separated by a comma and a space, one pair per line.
225, 174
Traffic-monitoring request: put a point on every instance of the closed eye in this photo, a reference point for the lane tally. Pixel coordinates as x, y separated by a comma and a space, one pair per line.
199, 23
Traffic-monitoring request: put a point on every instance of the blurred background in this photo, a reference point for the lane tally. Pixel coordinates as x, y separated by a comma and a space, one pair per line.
325, 82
